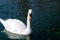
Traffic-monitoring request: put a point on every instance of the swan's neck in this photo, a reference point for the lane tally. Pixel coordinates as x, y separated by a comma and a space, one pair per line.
28, 23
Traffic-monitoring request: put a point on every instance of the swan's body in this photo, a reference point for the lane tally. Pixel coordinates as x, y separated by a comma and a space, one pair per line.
16, 26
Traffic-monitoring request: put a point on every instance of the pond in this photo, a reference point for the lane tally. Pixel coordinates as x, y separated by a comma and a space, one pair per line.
45, 22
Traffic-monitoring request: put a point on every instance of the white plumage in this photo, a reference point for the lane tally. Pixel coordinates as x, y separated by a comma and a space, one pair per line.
16, 26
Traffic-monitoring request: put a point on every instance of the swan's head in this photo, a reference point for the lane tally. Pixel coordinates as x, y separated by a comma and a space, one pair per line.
30, 13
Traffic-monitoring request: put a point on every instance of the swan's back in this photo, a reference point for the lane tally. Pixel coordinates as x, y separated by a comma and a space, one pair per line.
15, 26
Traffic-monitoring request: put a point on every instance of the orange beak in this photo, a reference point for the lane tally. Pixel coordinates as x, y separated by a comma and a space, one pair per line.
30, 16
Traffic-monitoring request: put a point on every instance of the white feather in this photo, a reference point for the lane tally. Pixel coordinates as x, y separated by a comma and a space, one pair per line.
17, 26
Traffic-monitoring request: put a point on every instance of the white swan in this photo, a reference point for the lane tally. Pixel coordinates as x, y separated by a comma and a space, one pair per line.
16, 26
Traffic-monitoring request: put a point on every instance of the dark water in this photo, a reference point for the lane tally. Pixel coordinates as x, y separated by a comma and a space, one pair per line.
45, 22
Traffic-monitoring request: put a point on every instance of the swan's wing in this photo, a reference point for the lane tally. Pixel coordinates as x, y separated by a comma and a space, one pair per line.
14, 25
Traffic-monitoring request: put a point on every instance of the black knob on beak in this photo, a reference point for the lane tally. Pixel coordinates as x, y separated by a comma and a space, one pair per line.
31, 15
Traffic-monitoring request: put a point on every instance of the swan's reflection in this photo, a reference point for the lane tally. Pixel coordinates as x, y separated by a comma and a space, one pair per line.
16, 36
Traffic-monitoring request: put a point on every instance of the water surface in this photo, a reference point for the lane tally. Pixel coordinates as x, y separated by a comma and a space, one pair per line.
45, 17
